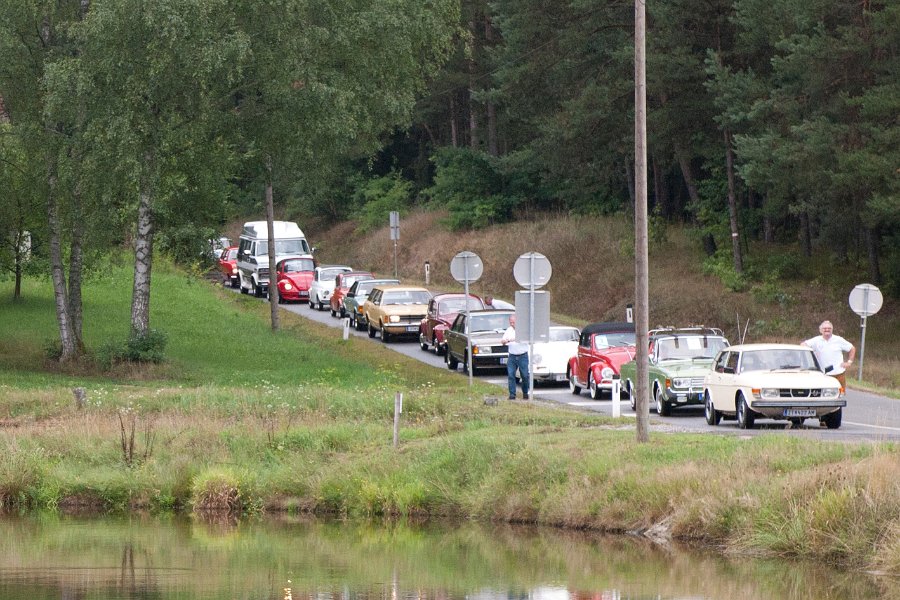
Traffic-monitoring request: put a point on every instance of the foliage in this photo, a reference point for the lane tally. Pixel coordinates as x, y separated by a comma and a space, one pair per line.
140, 347
377, 197
469, 185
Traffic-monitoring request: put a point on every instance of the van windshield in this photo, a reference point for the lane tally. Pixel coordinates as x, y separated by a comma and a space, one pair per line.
283, 247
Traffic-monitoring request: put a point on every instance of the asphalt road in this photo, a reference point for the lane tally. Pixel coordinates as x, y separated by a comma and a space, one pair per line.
867, 417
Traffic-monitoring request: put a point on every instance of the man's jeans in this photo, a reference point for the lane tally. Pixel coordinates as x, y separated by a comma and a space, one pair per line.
520, 362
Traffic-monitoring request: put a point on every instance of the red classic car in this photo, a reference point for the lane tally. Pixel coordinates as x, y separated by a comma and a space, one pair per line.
442, 310
602, 350
228, 266
294, 276
342, 283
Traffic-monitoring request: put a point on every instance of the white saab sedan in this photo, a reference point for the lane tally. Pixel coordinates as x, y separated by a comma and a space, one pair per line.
773, 381
551, 358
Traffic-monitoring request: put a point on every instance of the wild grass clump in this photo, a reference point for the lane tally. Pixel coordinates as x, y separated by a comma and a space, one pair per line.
21, 473
221, 490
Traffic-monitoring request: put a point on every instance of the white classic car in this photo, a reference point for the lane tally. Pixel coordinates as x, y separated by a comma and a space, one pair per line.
322, 285
774, 381
551, 358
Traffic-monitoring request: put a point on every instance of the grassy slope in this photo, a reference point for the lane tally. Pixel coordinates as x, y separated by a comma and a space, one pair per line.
301, 420
593, 279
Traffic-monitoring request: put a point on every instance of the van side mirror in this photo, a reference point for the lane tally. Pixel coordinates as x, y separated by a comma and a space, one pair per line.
247, 252
313, 250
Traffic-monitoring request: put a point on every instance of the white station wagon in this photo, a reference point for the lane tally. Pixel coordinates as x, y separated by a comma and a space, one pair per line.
772, 381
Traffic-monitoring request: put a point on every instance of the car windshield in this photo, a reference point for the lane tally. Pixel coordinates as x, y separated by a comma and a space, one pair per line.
767, 360
563, 334
330, 274
407, 297
692, 346
298, 264
609, 340
458, 305
232, 254
496, 323
348, 281
364, 287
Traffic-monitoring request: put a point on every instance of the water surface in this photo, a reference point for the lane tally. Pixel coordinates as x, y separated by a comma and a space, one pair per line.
150, 558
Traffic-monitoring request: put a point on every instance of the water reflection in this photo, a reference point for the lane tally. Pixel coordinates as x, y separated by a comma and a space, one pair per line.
300, 559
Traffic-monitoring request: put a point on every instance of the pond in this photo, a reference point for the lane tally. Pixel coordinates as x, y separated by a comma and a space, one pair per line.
51, 556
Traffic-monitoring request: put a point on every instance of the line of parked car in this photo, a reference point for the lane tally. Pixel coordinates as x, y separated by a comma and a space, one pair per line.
687, 366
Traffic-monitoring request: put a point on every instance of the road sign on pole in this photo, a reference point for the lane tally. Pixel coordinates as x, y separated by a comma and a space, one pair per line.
532, 270
465, 267
865, 299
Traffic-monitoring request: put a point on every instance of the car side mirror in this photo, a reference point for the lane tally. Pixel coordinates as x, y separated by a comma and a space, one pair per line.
247, 252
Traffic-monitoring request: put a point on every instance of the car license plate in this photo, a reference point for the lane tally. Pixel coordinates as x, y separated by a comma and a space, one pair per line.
799, 412
503, 361
411, 328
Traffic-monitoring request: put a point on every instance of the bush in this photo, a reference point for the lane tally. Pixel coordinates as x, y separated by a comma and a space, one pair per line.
377, 197
140, 347
470, 186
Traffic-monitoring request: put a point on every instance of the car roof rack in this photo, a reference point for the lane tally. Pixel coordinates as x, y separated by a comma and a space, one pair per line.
662, 331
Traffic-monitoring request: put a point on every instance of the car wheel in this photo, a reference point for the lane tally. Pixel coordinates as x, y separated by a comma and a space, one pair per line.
321, 305
371, 331
437, 347
712, 415
257, 291
452, 363
745, 416
235, 283
596, 392
632, 400
353, 323
833, 420
663, 408
342, 313
333, 313
573, 385
423, 344
385, 336
359, 326
310, 303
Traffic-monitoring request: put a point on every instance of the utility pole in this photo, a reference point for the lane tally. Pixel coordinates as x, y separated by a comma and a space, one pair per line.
641, 278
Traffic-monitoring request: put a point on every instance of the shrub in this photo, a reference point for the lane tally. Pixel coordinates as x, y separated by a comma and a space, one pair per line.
470, 186
377, 197
140, 347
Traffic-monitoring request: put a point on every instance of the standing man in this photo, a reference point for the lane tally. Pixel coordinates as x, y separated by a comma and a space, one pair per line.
518, 359
829, 349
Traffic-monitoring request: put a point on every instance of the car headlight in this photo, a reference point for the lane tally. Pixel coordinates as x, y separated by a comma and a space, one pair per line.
831, 392
288, 286
394, 318
769, 393
681, 382
607, 373
538, 359
234, 270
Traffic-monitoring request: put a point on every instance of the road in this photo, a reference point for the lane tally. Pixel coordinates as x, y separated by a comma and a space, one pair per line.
867, 417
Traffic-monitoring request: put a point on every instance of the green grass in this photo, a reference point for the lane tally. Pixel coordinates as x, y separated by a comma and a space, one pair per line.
245, 420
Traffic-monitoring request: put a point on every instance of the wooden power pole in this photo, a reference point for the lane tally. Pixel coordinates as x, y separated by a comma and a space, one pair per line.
641, 279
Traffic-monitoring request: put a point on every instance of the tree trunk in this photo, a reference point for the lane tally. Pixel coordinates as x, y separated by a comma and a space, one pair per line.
270, 245
688, 175
732, 206
493, 147
872, 247
143, 252
454, 133
57, 272
470, 65
805, 234
76, 262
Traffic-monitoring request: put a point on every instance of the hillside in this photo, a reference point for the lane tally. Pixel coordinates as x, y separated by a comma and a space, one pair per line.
593, 278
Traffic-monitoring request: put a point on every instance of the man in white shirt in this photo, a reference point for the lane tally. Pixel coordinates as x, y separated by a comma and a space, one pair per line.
518, 360
829, 349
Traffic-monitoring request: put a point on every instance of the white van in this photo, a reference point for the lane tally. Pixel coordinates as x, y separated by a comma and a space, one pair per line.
253, 252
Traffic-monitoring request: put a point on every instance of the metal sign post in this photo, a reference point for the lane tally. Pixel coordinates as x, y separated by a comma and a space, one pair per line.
532, 270
395, 236
865, 300
465, 267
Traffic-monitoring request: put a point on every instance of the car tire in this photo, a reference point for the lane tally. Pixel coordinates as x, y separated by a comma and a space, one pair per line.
663, 408
436, 345
423, 344
333, 313
833, 420
257, 291
235, 283
310, 303
595, 390
573, 386
359, 326
452, 363
712, 415
371, 331
745, 416
321, 305
385, 336
353, 323
342, 313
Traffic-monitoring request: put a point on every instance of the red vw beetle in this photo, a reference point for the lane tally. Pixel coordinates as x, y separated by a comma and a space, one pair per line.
294, 276
602, 350
228, 266
442, 310
342, 283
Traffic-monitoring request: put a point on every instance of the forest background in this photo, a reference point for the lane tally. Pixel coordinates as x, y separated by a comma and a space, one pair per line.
773, 129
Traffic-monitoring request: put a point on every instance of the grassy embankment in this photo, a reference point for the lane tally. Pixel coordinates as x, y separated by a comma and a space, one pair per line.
786, 295
247, 420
